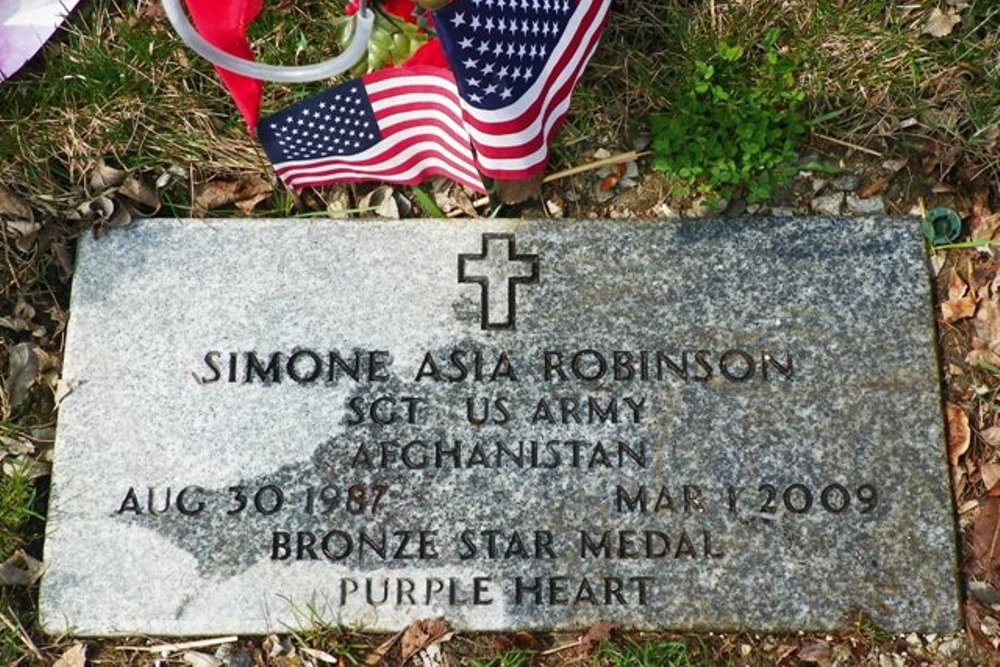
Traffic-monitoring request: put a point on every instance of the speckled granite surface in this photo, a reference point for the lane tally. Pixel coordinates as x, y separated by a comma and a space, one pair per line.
515, 424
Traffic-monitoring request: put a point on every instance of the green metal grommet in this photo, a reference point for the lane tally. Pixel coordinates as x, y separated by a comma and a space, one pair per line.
942, 225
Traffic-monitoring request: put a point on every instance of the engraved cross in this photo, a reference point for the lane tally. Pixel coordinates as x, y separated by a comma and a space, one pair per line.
498, 270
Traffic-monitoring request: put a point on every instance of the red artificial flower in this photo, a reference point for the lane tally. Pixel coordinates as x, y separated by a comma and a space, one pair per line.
431, 54
404, 9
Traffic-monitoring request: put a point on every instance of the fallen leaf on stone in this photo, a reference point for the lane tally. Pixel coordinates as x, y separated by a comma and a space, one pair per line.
421, 634
960, 304
20, 570
816, 653
22, 373
76, 656
985, 549
12, 206
598, 633
322, 656
940, 24
141, 193
198, 659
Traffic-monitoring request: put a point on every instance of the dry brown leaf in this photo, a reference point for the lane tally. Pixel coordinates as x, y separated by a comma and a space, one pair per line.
940, 24
958, 432
421, 634
199, 659
105, 176
245, 193
985, 549
609, 183
960, 304
322, 656
990, 472
877, 186
598, 633
987, 322
515, 192
25, 232
23, 372
141, 193
991, 436
12, 206
20, 570
981, 352
377, 656
817, 653
75, 656
983, 222
383, 201
252, 190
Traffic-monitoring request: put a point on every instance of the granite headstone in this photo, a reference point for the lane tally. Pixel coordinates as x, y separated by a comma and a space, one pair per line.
516, 424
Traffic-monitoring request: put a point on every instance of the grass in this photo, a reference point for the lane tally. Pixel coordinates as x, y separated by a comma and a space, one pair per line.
118, 85
513, 658
657, 653
17, 498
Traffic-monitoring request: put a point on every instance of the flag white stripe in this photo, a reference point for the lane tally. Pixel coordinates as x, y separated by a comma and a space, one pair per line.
456, 126
306, 167
532, 159
413, 172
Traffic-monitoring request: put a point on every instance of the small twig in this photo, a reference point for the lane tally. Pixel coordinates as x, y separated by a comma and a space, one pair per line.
621, 158
6, 255
564, 647
173, 648
16, 628
847, 144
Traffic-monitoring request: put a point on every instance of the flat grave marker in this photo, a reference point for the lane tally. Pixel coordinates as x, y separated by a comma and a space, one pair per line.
514, 424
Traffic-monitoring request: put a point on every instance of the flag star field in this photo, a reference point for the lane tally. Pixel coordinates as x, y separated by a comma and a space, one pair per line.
499, 47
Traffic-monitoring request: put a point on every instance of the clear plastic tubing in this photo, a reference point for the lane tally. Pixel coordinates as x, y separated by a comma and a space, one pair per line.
364, 19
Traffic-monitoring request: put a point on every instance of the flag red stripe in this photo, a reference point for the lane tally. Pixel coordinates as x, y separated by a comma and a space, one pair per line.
422, 165
378, 163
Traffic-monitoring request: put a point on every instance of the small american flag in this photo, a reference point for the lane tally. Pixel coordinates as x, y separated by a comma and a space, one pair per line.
398, 125
516, 63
